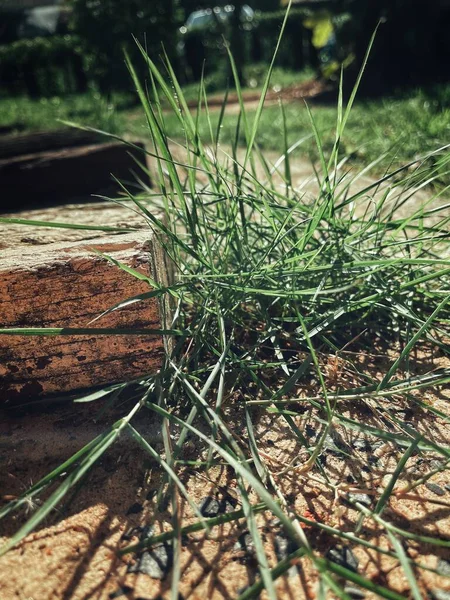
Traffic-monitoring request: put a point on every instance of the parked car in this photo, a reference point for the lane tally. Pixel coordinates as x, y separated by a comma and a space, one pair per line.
201, 37
201, 20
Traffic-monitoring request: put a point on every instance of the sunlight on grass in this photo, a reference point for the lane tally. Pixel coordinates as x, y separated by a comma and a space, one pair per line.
272, 286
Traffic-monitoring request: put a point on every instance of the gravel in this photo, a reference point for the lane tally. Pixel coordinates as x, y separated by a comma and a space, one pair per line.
443, 567
284, 546
211, 507
355, 593
344, 557
435, 488
364, 499
135, 509
155, 563
440, 595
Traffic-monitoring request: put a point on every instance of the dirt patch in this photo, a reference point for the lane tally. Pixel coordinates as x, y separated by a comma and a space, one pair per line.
74, 555
399, 202
313, 88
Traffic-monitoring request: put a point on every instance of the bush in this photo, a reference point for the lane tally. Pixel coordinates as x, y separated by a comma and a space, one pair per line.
296, 50
43, 66
108, 27
258, 44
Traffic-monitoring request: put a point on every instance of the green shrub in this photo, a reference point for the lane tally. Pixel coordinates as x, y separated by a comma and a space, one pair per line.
296, 50
43, 66
108, 27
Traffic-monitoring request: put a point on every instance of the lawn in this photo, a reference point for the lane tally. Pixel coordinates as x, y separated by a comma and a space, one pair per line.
400, 126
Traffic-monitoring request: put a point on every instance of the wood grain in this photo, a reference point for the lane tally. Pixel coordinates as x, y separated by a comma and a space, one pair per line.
66, 284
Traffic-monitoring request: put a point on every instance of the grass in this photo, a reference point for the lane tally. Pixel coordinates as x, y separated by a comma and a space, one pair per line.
402, 126
23, 114
407, 125
119, 112
271, 289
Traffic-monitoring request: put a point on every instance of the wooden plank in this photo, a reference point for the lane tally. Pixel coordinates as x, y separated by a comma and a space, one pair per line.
51, 282
65, 174
41, 141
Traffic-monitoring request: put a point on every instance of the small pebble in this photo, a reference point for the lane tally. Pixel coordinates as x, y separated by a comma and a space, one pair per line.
405, 415
151, 494
209, 507
335, 443
343, 557
436, 489
376, 445
355, 593
443, 567
135, 509
440, 595
284, 546
125, 589
155, 562
447, 487
361, 445
363, 499
245, 542
330, 445
310, 431
146, 532
143, 532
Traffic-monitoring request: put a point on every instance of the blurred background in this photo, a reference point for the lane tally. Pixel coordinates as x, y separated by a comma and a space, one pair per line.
61, 47
64, 59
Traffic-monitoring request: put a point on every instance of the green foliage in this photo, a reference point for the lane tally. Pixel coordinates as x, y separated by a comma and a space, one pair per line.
296, 50
39, 49
108, 27
43, 66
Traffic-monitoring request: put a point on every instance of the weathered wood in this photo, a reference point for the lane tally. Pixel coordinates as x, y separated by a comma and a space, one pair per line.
65, 174
40, 141
46, 281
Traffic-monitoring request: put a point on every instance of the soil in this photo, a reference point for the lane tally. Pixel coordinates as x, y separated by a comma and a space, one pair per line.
73, 555
313, 90
306, 184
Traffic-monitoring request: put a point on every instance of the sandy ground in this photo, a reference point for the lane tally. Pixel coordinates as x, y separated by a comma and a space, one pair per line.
73, 555
366, 187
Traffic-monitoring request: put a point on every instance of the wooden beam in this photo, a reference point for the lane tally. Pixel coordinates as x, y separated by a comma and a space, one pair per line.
67, 173
54, 278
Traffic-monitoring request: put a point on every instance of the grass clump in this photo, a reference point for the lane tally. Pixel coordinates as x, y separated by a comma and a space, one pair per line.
278, 294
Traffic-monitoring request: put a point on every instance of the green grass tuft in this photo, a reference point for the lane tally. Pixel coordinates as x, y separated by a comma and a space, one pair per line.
273, 283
